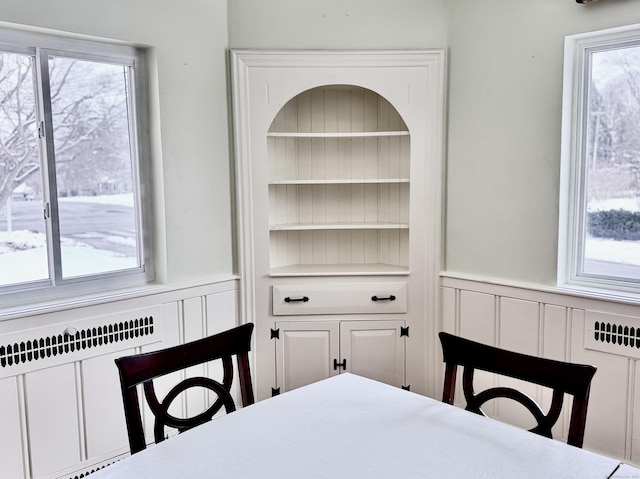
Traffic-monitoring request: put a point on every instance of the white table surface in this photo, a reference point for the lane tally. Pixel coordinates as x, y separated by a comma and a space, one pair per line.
625, 471
351, 427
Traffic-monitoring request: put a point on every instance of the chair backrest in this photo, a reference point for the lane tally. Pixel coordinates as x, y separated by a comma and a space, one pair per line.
144, 368
561, 377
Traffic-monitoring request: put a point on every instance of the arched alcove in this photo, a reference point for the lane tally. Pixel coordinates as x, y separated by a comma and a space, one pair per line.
339, 175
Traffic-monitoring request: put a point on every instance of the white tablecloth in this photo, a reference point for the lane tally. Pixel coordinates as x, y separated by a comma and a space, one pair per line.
351, 427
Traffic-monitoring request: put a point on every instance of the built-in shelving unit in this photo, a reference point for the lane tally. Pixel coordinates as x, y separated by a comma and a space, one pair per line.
339, 181
339, 168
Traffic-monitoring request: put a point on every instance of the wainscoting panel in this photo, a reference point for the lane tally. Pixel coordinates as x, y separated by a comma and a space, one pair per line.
554, 346
53, 411
477, 313
558, 325
477, 316
608, 419
105, 427
518, 329
11, 439
60, 402
634, 447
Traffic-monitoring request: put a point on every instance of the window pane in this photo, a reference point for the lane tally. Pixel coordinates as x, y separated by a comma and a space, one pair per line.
23, 246
94, 166
612, 165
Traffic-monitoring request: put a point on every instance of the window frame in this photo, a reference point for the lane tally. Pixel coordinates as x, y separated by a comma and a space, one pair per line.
41, 46
572, 205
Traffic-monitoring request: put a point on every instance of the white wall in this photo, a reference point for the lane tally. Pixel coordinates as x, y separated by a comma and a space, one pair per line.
505, 94
190, 117
337, 24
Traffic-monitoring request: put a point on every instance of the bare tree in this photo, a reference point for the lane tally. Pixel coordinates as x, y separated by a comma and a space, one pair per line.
19, 155
614, 116
90, 125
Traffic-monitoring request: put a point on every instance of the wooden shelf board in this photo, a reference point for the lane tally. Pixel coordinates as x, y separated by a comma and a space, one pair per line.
339, 226
350, 134
339, 270
340, 182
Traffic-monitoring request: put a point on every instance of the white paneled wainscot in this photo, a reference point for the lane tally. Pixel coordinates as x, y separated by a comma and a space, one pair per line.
561, 326
60, 404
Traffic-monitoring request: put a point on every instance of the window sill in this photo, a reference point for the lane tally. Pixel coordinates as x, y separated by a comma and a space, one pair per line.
580, 292
226, 282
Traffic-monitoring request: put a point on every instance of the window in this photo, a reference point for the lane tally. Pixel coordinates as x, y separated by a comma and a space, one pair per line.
71, 166
600, 180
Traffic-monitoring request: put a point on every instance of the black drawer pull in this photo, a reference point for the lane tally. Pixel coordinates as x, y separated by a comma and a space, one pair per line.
304, 299
342, 364
388, 298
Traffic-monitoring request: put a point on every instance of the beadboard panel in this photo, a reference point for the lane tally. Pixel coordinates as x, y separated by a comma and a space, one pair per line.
62, 417
105, 427
518, 330
607, 420
554, 346
553, 324
634, 434
473, 306
477, 316
53, 418
11, 439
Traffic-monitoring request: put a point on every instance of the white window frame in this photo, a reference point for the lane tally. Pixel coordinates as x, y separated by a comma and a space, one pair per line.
42, 45
578, 49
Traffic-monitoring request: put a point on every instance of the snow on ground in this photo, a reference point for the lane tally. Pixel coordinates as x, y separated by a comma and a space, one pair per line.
27, 260
612, 251
125, 199
628, 204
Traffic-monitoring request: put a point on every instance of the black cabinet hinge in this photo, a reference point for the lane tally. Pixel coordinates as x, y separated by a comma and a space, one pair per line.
407, 387
342, 364
275, 391
404, 331
275, 334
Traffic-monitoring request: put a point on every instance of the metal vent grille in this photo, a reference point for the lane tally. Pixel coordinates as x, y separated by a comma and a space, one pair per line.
28, 350
73, 340
88, 470
616, 334
612, 333
86, 473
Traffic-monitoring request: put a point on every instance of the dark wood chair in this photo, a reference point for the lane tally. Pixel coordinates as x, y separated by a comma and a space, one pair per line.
144, 368
561, 377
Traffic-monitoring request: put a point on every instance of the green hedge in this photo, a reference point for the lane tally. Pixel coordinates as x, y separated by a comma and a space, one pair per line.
614, 224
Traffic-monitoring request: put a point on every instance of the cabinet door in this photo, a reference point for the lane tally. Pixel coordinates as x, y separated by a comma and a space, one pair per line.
374, 349
305, 352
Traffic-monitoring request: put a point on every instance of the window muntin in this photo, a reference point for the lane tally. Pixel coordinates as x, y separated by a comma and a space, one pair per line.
73, 218
600, 182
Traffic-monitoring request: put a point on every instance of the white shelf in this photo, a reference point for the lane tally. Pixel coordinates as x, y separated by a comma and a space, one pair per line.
373, 269
338, 226
350, 134
338, 184
341, 182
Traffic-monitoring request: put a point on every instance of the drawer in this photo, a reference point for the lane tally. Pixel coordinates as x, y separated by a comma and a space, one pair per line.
342, 298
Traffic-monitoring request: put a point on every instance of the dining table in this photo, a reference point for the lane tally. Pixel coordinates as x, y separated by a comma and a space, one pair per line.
349, 426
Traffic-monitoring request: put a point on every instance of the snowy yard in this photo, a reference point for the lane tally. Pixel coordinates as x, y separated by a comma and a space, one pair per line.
23, 253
